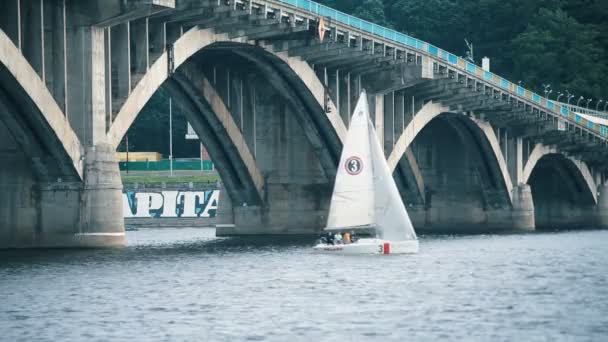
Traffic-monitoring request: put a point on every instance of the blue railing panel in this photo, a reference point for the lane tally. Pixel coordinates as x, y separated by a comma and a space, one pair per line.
535, 98
433, 50
343, 18
504, 83
521, 91
550, 105
328, 12
487, 75
471, 67
590, 124
578, 118
565, 111
452, 59
365, 26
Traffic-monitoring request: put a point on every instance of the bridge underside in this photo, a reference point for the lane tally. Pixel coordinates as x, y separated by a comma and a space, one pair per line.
561, 199
276, 129
461, 191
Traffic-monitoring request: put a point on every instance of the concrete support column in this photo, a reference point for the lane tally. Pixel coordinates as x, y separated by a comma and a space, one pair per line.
523, 208
389, 121
101, 216
86, 83
513, 155
343, 97
10, 20
157, 31
55, 51
248, 112
32, 29
347, 101
225, 214
399, 124
602, 206
519, 163
121, 61
379, 117
140, 46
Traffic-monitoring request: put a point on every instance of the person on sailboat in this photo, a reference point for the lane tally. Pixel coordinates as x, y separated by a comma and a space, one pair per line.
338, 239
346, 238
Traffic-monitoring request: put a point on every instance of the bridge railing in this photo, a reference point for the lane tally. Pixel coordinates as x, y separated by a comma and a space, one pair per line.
468, 68
583, 110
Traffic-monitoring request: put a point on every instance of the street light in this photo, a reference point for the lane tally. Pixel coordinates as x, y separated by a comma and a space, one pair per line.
579, 100
547, 90
588, 101
558, 96
597, 106
569, 96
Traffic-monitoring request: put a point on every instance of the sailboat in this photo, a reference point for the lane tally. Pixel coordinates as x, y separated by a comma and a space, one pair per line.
365, 199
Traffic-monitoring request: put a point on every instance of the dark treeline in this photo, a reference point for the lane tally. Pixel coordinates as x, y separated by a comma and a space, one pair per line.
563, 43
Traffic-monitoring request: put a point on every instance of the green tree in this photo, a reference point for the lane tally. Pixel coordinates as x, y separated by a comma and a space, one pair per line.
372, 10
557, 49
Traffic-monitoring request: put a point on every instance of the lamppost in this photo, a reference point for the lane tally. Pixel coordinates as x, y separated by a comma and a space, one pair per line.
569, 96
558, 96
597, 105
579, 100
588, 101
547, 90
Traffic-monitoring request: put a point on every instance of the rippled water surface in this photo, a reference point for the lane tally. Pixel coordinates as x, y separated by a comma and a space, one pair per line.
185, 285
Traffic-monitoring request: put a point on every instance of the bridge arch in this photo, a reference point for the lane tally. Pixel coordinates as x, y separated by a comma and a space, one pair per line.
35, 120
563, 189
491, 148
292, 78
584, 176
211, 118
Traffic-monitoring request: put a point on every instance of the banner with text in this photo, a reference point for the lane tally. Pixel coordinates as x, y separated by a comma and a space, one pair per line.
170, 204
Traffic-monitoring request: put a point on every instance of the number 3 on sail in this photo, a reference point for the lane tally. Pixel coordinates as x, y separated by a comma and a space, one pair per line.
353, 166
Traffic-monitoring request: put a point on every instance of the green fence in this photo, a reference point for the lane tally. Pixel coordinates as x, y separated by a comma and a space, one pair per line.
165, 165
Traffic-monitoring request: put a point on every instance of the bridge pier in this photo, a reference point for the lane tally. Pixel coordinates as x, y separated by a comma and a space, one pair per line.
602, 206
62, 213
101, 216
523, 208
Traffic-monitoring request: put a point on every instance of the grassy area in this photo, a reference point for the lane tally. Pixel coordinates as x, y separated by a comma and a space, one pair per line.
165, 177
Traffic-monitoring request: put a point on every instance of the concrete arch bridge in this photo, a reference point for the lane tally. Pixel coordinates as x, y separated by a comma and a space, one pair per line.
270, 85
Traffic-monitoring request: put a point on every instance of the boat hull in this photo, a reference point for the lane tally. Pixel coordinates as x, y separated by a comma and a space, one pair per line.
370, 246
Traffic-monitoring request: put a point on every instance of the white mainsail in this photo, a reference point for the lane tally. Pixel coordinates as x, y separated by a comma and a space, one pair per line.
365, 193
352, 202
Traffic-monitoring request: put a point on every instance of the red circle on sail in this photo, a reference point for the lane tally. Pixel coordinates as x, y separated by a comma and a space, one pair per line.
353, 166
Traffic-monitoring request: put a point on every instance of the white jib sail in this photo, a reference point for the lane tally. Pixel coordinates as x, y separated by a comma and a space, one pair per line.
392, 221
352, 201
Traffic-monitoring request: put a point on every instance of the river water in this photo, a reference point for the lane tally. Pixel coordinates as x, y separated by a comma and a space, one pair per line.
185, 285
